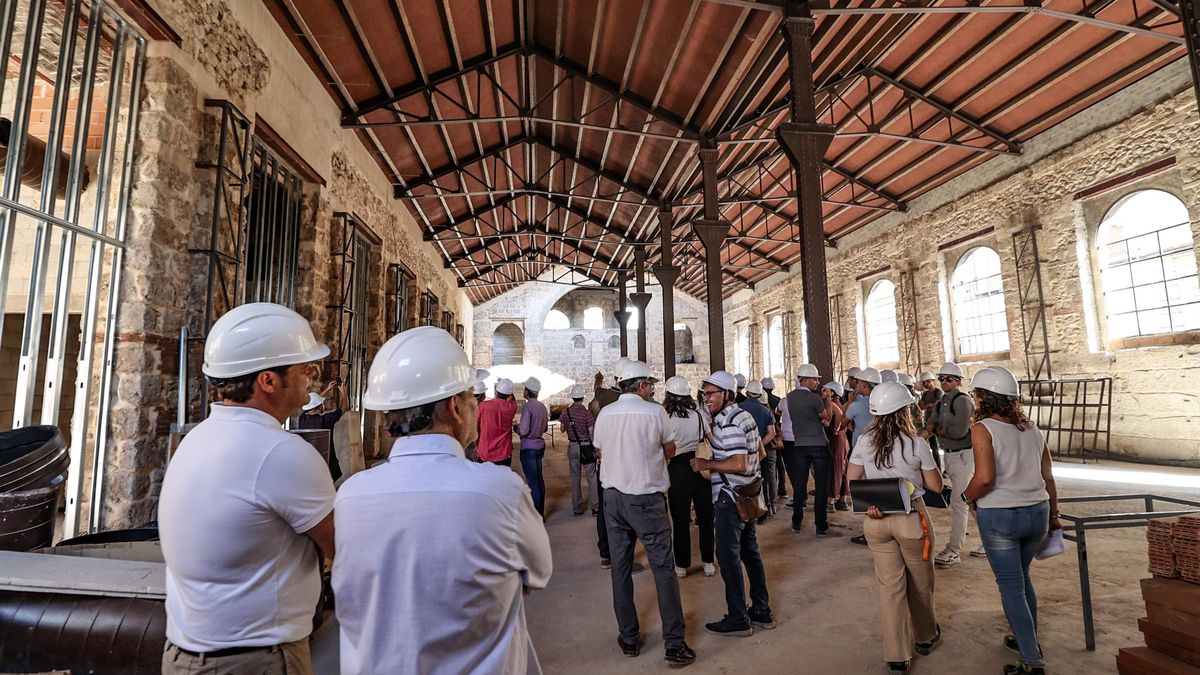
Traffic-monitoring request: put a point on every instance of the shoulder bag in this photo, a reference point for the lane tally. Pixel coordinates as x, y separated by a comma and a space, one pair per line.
587, 451
747, 499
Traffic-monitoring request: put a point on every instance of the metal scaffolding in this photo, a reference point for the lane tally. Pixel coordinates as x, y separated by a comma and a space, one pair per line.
352, 256
1035, 338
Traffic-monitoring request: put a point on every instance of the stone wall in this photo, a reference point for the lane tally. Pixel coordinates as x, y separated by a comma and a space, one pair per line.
237, 52
1156, 381
574, 355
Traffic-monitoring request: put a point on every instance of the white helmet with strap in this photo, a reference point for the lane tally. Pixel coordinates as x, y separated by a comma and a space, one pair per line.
421, 365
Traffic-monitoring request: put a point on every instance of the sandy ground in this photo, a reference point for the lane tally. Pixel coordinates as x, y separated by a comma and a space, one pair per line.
825, 599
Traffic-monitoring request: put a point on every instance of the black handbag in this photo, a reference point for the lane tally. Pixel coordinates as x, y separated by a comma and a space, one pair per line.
938, 500
587, 451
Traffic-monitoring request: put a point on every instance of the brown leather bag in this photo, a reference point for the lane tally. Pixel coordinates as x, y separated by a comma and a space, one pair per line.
748, 499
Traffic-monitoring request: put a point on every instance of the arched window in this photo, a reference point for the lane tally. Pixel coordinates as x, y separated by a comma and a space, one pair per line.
1148, 266
593, 318
614, 342
741, 349
980, 324
883, 345
684, 348
556, 320
579, 342
508, 345
775, 346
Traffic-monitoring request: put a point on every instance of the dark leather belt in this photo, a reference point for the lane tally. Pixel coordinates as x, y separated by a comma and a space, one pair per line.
220, 653
950, 450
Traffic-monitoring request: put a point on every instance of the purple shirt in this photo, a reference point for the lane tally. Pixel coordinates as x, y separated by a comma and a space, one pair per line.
534, 421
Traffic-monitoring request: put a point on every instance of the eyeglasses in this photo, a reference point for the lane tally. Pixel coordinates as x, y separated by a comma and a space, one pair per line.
706, 394
948, 378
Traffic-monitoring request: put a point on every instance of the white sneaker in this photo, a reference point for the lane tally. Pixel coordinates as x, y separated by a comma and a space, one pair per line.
709, 569
681, 572
946, 558
979, 551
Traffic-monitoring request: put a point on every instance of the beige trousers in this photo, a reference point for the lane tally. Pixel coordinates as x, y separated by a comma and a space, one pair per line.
902, 546
292, 658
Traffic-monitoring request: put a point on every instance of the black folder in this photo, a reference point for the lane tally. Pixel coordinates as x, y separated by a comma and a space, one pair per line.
890, 495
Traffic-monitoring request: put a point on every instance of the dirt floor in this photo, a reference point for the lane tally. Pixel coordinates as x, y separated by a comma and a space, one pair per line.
824, 595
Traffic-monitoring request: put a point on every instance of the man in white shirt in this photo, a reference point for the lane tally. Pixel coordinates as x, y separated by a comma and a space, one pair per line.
635, 441
245, 506
444, 549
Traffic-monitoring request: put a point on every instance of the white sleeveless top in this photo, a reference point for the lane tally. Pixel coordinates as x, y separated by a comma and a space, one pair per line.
1018, 466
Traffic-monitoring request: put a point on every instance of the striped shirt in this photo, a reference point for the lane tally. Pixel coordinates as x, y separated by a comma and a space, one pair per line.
734, 433
577, 419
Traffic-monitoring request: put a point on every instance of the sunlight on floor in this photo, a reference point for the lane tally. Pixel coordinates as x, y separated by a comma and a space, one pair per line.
1167, 477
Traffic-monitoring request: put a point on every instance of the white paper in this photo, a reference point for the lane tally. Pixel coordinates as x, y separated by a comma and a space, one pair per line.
1052, 545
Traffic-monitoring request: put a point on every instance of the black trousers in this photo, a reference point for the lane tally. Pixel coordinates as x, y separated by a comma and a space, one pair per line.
689, 489
800, 459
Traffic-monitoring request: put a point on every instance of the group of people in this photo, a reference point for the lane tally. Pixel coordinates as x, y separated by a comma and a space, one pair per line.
437, 546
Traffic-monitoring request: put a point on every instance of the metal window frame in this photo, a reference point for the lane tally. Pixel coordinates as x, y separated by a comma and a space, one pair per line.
353, 254
399, 277
274, 208
867, 313
958, 319
1101, 269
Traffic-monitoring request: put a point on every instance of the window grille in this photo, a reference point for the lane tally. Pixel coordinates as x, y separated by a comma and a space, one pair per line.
980, 322
883, 346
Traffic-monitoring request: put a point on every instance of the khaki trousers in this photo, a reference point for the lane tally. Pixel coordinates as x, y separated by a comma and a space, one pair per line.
902, 546
292, 658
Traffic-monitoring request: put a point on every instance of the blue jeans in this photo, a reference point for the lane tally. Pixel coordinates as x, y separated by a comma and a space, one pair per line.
531, 464
1011, 537
737, 545
799, 459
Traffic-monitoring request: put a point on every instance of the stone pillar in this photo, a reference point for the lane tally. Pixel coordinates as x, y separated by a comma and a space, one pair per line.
622, 313
641, 299
805, 141
711, 231
667, 273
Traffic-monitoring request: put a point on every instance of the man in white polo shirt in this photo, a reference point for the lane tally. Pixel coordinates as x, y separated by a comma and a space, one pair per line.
635, 441
444, 549
245, 505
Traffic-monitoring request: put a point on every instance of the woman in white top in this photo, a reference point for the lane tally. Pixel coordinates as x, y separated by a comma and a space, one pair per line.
900, 543
1016, 503
688, 488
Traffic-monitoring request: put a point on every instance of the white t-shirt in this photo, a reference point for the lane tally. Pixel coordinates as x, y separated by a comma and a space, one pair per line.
688, 431
785, 421
908, 463
630, 433
237, 497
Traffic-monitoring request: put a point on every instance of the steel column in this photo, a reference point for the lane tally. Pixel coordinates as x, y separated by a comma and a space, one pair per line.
641, 300
667, 273
712, 231
622, 313
805, 141
1189, 13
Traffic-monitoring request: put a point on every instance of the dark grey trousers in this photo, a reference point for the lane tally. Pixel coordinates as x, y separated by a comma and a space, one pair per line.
631, 518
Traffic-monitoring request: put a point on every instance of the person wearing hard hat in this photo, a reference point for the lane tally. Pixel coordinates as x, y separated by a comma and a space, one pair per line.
1016, 502
858, 412
319, 413
635, 440
496, 425
839, 447
929, 394
246, 507
851, 385
810, 448
608, 395
765, 420
951, 424
535, 419
741, 385
900, 543
577, 422
772, 402
735, 445
480, 391
689, 489
441, 546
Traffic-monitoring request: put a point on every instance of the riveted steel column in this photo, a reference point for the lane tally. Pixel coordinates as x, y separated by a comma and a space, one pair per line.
667, 273
711, 231
622, 313
805, 141
1189, 14
641, 299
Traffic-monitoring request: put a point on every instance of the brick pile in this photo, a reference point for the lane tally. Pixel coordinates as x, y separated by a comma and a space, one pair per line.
1172, 623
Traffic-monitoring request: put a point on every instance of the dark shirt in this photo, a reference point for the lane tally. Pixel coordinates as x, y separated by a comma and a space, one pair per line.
805, 406
763, 417
577, 419
325, 421
606, 396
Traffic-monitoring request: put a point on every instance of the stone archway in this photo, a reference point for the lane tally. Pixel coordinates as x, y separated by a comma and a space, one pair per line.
508, 345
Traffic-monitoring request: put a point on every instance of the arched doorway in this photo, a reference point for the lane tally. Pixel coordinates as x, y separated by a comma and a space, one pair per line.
508, 345
684, 349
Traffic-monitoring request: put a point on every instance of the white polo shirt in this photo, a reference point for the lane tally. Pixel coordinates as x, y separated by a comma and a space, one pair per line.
435, 552
237, 497
630, 434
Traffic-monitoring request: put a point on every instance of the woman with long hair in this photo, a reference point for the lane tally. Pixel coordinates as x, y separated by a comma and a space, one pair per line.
839, 447
1016, 503
900, 543
688, 489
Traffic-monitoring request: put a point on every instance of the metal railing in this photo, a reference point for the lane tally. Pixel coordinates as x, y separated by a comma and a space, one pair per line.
1074, 414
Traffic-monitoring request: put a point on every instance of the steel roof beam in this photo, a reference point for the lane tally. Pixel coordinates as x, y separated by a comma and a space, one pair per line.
469, 216
458, 167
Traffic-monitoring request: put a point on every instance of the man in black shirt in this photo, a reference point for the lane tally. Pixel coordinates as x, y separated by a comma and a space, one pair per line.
318, 413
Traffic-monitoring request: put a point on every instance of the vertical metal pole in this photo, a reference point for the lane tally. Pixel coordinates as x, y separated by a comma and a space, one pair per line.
622, 313
1189, 12
711, 231
640, 299
667, 273
1085, 587
804, 141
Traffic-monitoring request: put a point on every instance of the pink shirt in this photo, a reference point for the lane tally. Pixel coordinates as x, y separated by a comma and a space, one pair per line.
495, 429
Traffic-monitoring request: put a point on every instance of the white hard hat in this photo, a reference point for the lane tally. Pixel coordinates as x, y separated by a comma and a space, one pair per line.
740, 379
951, 368
889, 397
754, 388
577, 392
722, 379
926, 375
257, 336
619, 366
807, 370
768, 384
480, 388
869, 375
634, 369
314, 400
889, 375
997, 380
854, 372
678, 385
421, 365
906, 379
533, 384
835, 387
504, 386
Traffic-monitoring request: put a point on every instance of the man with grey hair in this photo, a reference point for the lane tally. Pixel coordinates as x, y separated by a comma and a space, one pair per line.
635, 440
